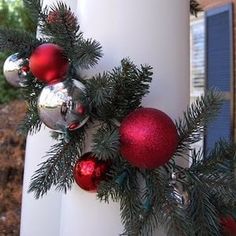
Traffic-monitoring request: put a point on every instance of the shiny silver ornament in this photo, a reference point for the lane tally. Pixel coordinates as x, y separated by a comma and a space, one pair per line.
60, 106
179, 194
13, 70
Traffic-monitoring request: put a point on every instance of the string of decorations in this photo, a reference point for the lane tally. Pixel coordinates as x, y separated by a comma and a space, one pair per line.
134, 149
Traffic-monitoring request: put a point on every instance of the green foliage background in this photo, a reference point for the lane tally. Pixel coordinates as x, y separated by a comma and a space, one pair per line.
12, 15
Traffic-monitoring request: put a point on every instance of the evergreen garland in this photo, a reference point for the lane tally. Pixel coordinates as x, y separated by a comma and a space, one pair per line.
208, 183
195, 7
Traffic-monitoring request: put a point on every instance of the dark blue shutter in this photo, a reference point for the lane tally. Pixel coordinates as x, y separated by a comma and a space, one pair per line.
219, 69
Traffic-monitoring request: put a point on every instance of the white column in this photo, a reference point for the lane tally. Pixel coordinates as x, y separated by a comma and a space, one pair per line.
40, 217
155, 32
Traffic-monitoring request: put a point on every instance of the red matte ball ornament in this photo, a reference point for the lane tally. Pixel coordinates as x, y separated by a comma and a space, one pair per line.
48, 63
89, 172
148, 138
228, 225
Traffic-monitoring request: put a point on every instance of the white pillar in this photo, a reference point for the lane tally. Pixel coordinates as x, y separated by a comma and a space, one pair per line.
39, 217
155, 32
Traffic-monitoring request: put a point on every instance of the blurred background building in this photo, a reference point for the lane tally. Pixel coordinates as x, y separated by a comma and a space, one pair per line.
213, 63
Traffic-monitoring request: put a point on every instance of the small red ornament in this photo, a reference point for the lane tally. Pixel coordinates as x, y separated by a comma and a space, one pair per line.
228, 226
148, 138
58, 17
48, 63
89, 172
53, 17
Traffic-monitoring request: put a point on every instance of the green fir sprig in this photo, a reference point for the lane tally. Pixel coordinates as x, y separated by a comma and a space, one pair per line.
195, 7
35, 8
30, 92
203, 212
195, 119
106, 142
13, 40
113, 95
57, 169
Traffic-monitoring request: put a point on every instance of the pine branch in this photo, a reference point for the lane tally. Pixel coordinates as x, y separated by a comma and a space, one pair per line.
123, 186
162, 208
130, 86
37, 12
114, 95
203, 213
31, 123
195, 7
225, 194
109, 189
215, 171
57, 170
88, 53
216, 159
17, 41
62, 27
220, 186
58, 136
177, 221
153, 198
212, 178
112, 187
173, 214
34, 7
131, 204
30, 91
195, 119
106, 142
99, 91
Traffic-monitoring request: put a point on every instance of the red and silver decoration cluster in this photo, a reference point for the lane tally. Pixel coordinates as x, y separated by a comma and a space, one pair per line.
59, 104
148, 137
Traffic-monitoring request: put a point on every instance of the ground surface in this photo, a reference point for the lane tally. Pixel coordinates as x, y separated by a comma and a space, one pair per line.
12, 147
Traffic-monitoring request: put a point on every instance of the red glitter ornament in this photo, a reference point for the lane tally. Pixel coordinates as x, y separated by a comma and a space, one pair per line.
148, 138
228, 225
89, 172
48, 63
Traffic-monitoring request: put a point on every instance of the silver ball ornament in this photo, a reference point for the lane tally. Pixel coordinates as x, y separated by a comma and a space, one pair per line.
60, 106
180, 195
13, 70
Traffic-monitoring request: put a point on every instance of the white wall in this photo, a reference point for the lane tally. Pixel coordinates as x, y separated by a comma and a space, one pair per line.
154, 32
